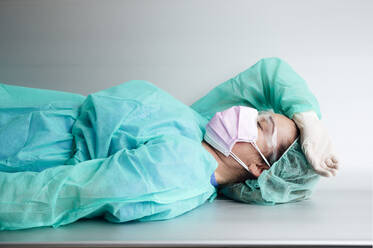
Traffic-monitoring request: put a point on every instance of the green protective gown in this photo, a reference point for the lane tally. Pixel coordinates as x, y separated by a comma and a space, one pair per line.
130, 152
270, 84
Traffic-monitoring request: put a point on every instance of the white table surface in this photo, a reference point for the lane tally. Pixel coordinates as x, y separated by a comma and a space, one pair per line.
329, 218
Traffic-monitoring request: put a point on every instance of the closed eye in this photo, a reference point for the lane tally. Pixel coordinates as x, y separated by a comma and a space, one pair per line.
260, 126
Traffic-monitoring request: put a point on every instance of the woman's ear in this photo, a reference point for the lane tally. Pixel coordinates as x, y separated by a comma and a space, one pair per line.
257, 168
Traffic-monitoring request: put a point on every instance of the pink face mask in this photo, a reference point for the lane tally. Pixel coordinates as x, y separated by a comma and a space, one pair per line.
236, 124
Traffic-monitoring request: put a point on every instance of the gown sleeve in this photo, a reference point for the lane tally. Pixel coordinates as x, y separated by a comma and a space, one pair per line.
269, 84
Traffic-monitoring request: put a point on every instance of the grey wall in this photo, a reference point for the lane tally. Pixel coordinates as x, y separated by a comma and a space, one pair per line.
188, 47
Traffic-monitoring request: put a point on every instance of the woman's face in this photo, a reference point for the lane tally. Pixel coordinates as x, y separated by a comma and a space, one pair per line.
287, 132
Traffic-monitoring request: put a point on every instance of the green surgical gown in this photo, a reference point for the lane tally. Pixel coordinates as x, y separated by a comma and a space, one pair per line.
130, 152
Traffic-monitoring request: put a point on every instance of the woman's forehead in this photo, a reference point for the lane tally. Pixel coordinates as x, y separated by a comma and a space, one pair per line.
286, 125
286, 131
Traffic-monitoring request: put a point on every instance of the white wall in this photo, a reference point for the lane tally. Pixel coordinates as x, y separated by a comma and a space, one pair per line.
188, 47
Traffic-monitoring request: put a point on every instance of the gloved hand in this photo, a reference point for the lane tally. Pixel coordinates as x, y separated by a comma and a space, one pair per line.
316, 143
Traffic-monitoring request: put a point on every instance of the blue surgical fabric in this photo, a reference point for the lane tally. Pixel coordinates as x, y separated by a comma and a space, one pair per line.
213, 180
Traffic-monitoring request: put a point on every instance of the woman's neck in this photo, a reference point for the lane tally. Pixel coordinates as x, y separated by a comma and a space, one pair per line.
223, 173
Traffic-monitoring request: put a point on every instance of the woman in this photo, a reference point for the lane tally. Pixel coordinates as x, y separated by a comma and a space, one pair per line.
130, 152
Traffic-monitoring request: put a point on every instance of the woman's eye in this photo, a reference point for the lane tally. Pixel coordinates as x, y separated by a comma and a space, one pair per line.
260, 126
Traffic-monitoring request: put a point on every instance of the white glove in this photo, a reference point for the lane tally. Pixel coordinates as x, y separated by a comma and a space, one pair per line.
316, 143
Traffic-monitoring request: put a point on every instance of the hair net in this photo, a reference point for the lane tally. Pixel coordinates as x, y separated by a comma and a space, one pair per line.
289, 179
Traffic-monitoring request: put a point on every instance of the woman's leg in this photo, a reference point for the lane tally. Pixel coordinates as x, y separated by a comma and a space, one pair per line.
35, 127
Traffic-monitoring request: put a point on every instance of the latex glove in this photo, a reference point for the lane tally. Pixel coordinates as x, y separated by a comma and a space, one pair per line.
316, 143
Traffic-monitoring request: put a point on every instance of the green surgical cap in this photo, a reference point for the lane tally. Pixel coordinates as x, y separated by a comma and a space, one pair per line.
290, 179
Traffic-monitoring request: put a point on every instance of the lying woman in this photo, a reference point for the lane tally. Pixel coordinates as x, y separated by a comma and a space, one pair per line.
134, 152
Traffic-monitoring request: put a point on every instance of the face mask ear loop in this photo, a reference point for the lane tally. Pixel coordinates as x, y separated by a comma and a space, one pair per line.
240, 162
274, 144
261, 154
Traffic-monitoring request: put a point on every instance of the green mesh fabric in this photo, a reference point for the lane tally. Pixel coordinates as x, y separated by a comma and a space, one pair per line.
290, 179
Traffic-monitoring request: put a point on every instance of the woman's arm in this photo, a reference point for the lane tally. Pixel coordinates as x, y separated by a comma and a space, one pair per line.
269, 84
